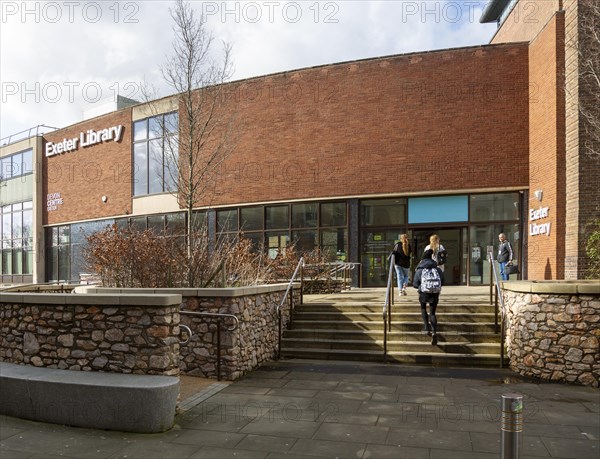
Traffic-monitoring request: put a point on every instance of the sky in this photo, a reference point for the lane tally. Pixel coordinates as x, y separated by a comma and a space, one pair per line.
59, 59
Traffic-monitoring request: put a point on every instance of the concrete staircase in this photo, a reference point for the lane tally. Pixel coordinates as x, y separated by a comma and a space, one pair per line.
349, 326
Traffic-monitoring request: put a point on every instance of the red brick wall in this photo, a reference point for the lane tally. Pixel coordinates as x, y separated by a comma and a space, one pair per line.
424, 122
547, 149
85, 175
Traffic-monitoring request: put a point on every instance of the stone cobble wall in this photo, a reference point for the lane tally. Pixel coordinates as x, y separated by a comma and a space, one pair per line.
252, 343
554, 337
118, 339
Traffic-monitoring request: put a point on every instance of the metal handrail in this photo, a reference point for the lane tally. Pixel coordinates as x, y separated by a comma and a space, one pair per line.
287, 290
219, 316
387, 310
498, 297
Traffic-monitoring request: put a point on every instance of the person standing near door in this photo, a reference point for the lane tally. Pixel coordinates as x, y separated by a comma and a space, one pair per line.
439, 252
505, 255
402, 254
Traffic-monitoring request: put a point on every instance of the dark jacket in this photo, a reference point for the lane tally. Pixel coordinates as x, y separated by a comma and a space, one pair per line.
399, 257
427, 263
505, 252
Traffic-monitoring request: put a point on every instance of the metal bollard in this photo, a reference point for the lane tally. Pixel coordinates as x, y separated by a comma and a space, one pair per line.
511, 426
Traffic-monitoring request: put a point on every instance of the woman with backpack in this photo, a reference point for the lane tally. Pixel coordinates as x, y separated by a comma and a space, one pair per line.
402, 255
428, 281
439, 252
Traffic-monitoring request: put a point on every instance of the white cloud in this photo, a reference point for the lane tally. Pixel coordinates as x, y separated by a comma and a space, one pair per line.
52, 69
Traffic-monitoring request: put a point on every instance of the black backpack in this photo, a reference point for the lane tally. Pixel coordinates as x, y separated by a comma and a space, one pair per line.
441, 258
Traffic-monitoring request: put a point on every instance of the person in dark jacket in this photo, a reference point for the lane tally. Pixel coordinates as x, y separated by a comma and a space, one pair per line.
505, 255
402, 252
429, 291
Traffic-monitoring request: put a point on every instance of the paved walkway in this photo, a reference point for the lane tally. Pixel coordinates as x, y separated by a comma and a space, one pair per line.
326, 409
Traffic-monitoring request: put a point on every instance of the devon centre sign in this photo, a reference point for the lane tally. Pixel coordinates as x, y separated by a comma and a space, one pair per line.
85, 139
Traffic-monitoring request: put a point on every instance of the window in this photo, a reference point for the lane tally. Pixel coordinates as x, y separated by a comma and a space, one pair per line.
155, 154
16, 165
494, 207
17, 238
383, 212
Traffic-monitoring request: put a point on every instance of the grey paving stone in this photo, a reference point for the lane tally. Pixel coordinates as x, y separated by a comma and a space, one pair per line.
329, 448
383, 408
235, 389
293, 392
155, 450
395, 452
490, 443
386, 380
6, 432
384, 397
546, 430
359, 419
352, 433
445, 454
372, 387
208, 438
266, 443
572, 419
306, 375
262, 374
7, 453
54, 442
580, 449
286, 428
217, 423
415, 389
210, 452
342, 395
408, 422
262, 382
430, 438
345, 377
317, 385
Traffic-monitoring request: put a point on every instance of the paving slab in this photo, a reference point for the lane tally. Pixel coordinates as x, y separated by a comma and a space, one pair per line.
322, 409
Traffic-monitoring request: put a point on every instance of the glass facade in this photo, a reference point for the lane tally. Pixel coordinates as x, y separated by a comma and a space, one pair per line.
308, 225
16, 224
16, 165
155, 154
466, 224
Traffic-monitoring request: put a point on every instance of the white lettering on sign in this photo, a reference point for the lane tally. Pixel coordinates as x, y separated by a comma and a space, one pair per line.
85, 139
535, 229
53, 200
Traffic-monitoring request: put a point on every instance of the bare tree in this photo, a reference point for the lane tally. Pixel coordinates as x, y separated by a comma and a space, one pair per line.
197, 143
588, 50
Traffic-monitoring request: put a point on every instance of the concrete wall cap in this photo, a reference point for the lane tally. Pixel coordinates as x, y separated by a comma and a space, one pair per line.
204, 292
100, 299
558, 287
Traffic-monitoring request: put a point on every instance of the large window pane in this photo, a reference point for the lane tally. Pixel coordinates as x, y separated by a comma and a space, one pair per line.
155, 164
176, 224
383, 212
27, 164
171, 123
484, 236
499, 206
7, 225
227, 220
333, 214
334, 244
304, 215
305, 241
277, 217
276, 242
140, 158
171, 163
17, 225
251, 218
156, 223
140, 130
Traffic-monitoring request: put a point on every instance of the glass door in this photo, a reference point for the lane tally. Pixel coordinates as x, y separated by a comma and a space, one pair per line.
452, 240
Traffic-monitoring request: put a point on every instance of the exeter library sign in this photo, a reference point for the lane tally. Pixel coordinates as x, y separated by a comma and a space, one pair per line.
85, 139
535, 215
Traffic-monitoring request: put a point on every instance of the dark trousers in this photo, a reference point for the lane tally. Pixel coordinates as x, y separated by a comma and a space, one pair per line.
432, 299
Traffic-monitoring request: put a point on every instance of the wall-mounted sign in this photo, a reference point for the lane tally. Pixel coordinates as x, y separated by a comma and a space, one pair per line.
53, 200
535, 229
85, 139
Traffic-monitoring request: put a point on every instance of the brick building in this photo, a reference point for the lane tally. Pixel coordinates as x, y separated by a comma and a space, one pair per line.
465, 143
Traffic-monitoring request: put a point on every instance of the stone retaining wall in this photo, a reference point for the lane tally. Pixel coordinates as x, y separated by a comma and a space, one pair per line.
252, 343
110, 333
553, 330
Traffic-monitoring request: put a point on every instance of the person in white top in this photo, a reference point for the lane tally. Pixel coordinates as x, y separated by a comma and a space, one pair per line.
439, 252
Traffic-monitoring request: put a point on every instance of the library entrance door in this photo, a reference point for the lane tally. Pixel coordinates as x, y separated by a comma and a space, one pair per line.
453, 240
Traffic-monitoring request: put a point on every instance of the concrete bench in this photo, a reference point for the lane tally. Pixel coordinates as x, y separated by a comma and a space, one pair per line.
113, 401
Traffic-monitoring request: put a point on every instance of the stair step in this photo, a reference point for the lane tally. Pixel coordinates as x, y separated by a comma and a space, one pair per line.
457, 327
377, 335
435, 358
396, 316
